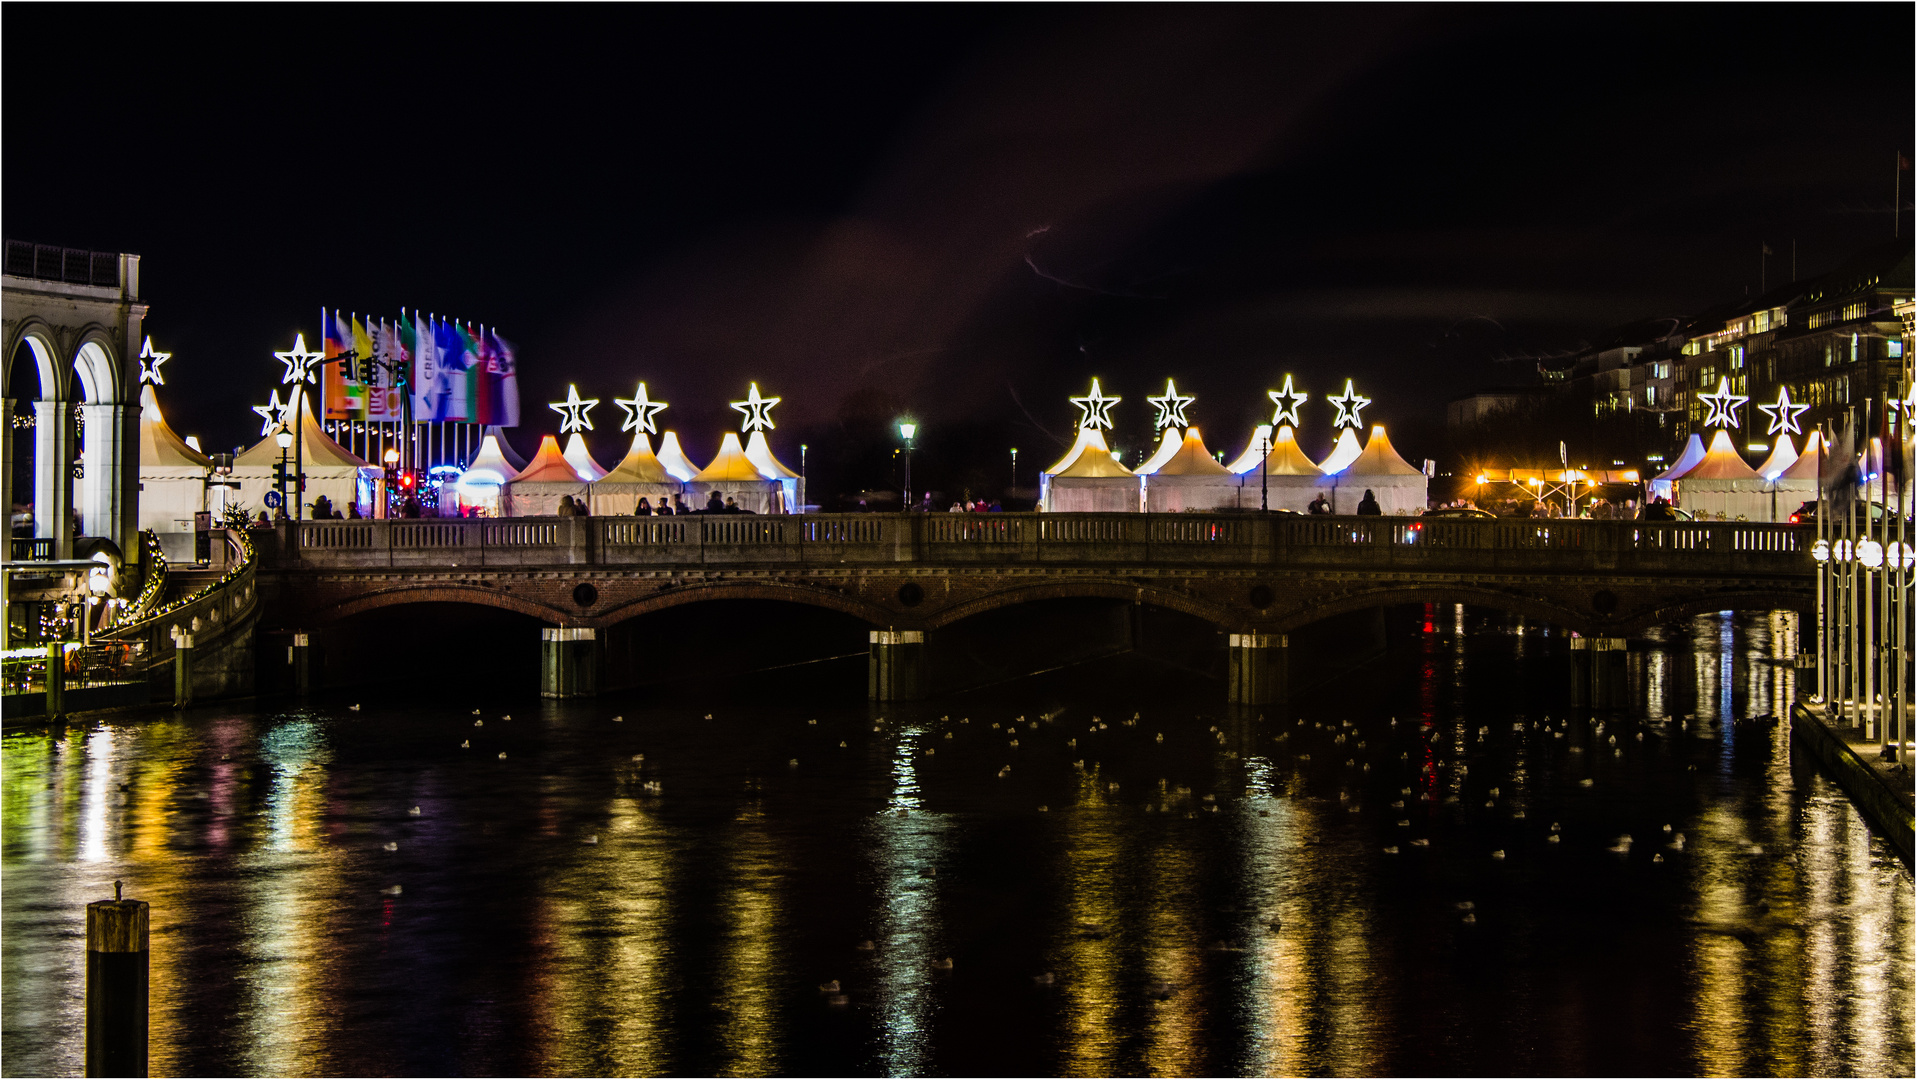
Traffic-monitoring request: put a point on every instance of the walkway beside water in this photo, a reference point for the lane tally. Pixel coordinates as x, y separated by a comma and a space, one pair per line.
1881, 789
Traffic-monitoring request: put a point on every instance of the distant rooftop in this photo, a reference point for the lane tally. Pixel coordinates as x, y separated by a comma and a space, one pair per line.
73, 266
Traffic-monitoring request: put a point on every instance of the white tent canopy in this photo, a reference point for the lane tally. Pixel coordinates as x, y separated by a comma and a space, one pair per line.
172, 474
640, 475
1399, 486
1190, 479
1088, 479
1686, 461
1168, 445
1284, 479
1722, 487
547, 479
733, 476
331, 470
581, 460
1343, 452
678, 465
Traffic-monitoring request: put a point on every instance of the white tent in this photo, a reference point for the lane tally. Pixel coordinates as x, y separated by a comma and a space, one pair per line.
1796, 483
1399, 486
547, 479
1721, 487
483, 481
677, 464
513, 457
1191, 479
331, 470
1253, 450
1088, 478
733, 476
172, 474
1686, 461
581, 460
1343, 452
638, 476
1168, 445
759, 452
1284, 479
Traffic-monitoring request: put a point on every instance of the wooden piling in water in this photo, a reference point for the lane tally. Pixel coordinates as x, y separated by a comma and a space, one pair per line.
116, 986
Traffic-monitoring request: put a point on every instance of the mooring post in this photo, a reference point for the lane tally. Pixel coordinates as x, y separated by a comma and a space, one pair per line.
895, 665
182, 669
568, 662
1256, 668
300, 655
56, 679
116, 986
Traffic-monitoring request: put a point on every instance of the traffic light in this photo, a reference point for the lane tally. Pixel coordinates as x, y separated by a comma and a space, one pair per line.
406, 481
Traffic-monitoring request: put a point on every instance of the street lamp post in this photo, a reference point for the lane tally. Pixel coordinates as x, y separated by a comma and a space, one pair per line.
391, 458
1264, 479
802, 502
1014, 469
907, 430
285, 440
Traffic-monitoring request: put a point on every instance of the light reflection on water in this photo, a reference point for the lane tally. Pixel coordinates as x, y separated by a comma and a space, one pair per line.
1264, 931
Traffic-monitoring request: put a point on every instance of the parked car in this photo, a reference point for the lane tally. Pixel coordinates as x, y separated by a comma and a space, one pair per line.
1807, 513
1457, 512
1676, 514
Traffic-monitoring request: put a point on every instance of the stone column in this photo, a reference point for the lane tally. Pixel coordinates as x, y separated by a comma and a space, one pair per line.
1256, 668
101, 511
299, 656
52, 475
182, 669
896, 665
568, 662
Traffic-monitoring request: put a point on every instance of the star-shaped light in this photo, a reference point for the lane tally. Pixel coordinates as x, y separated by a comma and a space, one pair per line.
1347, 404
572, 411
1171, 407
150, 362
1907, 408
1288, 414
757, 411
1095, 409
639, 412
1784, 414
272, 414
299, 363
1723, 405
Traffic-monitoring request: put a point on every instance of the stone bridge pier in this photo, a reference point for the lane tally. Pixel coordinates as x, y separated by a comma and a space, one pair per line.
933, 593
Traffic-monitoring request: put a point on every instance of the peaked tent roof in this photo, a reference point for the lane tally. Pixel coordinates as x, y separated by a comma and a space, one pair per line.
1285, 459
513, 457
1686, 461
581, 458
317, 449
490, 465
678, 465
160, 448
1168, 445
759, 452
1722, 462
731, 466
1192, 459
1783, 456
548, 466
1380, 458
1248, 460
1089, 457
1806, 465
639, 466
1345, 451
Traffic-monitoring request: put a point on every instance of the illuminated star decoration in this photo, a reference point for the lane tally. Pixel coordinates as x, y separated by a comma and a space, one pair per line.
757, 411
1906, 409
1723, 405
1348, 404
1171, 407
1288, 414
272, 414
572, 411
1096, 409
639, 412
299, 363
1784, 414
150, 362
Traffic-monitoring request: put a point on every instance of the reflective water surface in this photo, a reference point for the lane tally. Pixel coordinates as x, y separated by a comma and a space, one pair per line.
1429, 866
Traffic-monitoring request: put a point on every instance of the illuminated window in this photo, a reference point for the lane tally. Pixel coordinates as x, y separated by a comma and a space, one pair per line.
1896, 348
1761, 322
1737, 357
1854, 311
1650, 396
1853, 348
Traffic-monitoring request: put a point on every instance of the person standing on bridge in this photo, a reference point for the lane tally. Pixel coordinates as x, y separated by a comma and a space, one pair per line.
643, 508
1319, 505
1369, 504
715, 503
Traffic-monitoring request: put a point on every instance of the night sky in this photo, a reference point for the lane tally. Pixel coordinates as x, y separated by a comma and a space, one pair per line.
960, 212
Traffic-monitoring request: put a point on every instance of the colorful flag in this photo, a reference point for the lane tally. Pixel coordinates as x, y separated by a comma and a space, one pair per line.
426, 387
452, 403
382, 400
332, 379
503, 368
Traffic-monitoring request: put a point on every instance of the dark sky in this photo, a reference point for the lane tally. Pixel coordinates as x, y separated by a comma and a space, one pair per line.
966, 212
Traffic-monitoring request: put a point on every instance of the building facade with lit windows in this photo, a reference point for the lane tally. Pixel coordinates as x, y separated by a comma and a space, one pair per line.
1833, 342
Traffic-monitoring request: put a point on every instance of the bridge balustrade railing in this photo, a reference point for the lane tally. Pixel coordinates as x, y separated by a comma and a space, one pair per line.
1014, 539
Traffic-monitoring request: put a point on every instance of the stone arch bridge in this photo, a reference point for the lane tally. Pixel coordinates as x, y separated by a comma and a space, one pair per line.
1256, 578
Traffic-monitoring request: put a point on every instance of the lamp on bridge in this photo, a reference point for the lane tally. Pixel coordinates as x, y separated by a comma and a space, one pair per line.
907, 430
391, 460
284, 439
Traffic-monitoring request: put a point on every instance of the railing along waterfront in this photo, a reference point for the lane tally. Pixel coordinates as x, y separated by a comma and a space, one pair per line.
1548, 544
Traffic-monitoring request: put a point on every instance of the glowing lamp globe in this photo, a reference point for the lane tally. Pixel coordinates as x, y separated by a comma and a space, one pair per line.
1870, 553
284, 438
907, 429
392, 456
1820, 551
